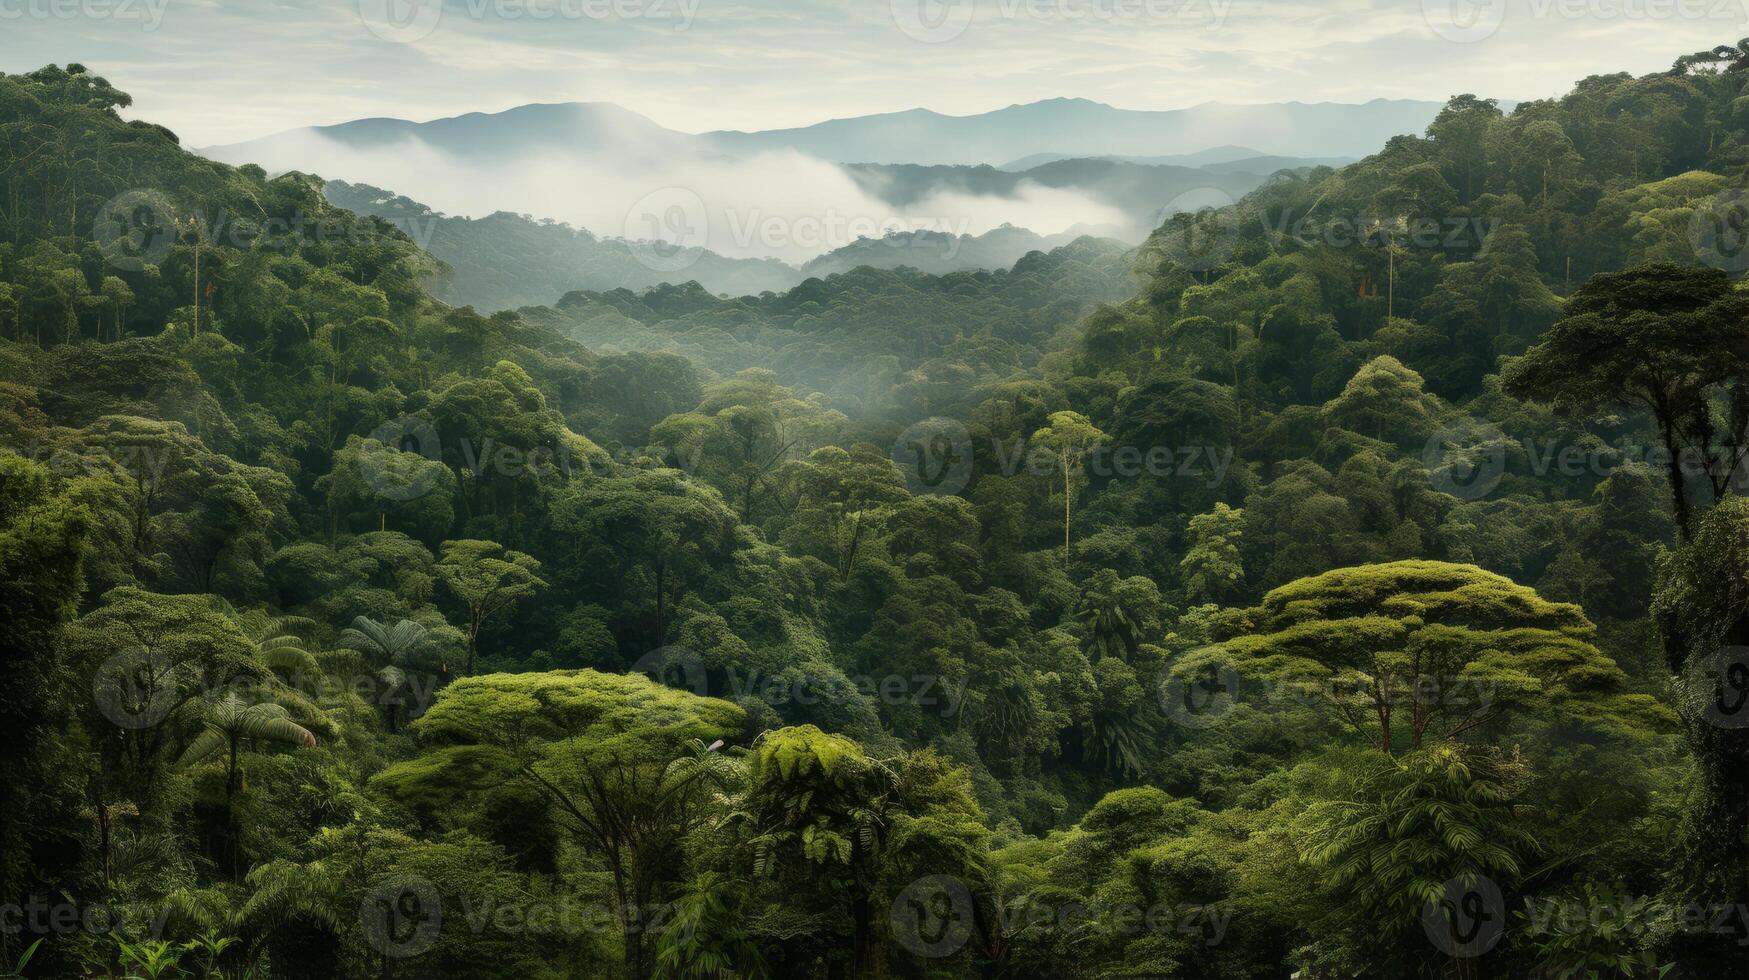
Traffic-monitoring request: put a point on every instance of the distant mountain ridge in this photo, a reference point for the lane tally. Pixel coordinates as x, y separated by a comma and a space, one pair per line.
576, 127
1077, 127
1089, 129
1218, 158
1141, 191
509, 261
595, 164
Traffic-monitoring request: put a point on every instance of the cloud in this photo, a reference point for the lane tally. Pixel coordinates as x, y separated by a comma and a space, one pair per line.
219, 73
782, 205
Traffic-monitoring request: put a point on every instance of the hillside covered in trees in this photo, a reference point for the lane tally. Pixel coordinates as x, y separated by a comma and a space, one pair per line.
506, 261
1348, 583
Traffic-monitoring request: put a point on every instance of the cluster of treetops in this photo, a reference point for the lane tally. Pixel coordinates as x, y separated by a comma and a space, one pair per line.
312, 583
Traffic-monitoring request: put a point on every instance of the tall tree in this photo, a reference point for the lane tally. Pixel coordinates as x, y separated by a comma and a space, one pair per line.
1212, 566
628, 767
227, 722
1423, 844
487, 578
1671, 340
42, 541
1701, 608
1453, 647
1069, 437
389, 650
827, 817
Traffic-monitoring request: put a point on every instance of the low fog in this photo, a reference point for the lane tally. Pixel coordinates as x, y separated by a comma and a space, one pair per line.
783, 205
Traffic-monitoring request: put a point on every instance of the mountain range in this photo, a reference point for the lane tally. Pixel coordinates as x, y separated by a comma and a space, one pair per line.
1083, 128
969, 188
506, 260
1215, 158
1060, 127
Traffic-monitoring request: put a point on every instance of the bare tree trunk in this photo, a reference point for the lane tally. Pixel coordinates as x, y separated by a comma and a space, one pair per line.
1065, 510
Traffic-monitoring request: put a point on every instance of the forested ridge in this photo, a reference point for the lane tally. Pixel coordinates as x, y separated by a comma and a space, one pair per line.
509, 260
1345, 583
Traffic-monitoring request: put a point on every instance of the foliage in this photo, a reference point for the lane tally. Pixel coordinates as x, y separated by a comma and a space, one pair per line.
1272, 570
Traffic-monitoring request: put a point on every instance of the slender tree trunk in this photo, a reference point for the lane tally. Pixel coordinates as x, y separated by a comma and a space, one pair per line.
631, 931
231, 774
1715, 847
1383, 708
1678, 485
862, 936
1390, 283
103, 839
1065, 510
855, 539
473, 644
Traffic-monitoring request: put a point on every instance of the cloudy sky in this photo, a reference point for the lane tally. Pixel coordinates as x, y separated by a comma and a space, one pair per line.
221, 71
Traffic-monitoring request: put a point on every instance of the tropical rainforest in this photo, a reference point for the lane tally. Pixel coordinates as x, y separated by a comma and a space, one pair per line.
1352, 582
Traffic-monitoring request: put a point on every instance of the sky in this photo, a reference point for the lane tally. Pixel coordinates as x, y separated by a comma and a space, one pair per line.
221, 72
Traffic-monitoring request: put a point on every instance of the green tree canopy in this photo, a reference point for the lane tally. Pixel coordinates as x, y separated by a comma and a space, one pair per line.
1413, 651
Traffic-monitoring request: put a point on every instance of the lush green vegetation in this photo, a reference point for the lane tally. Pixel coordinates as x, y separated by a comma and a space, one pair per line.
1309, 593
